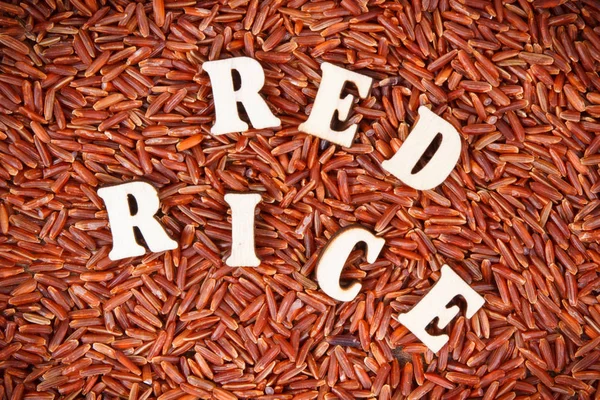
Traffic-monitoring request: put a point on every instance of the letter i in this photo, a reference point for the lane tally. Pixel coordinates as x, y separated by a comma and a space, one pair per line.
242, 229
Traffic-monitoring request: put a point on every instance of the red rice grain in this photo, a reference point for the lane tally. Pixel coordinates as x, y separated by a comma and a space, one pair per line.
93, 94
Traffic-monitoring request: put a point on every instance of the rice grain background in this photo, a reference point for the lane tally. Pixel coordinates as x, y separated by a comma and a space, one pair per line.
94, 93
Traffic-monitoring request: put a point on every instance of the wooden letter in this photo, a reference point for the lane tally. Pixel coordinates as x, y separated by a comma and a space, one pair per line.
328, 101
434, 304
122, 221
226, 98
242, 229
335, 254
439, 166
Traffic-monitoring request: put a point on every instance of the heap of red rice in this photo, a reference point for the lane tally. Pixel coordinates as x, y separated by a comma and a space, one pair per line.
96, 93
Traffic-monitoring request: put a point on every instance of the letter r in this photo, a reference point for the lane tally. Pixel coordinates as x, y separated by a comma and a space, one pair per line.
122, 222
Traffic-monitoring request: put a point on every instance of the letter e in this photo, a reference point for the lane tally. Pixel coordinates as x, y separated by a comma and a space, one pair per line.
328, 101
434, 305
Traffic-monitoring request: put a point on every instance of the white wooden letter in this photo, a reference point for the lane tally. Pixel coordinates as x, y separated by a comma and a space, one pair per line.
434, 304
335, 254
439, 166
242, 229
328, 101
226, 98
122, 222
